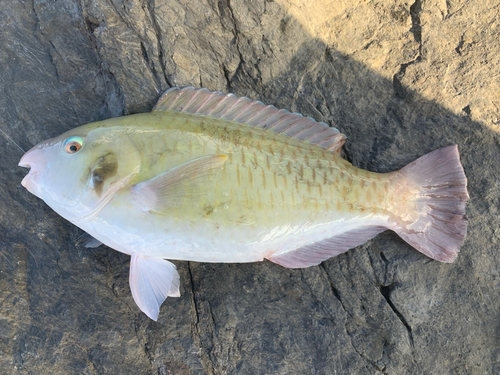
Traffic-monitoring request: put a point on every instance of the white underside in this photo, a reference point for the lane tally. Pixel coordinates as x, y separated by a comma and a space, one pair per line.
149, 234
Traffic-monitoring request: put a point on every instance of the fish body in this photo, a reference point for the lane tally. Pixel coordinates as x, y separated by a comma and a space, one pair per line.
214, 178
271, 194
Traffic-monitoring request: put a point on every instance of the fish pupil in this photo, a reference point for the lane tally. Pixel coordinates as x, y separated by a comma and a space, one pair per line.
72, 148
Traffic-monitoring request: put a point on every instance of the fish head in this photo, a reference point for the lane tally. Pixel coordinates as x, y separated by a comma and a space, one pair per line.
80, 171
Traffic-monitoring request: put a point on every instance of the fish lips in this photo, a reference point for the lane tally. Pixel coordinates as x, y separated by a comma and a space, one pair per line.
31, 160
28, 180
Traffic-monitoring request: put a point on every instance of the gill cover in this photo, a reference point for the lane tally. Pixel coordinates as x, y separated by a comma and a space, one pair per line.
112, 162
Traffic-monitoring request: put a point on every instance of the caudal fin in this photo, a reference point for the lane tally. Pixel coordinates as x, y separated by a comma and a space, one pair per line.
441, 227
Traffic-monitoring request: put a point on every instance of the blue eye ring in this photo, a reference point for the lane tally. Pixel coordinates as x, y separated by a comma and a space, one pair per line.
73, 144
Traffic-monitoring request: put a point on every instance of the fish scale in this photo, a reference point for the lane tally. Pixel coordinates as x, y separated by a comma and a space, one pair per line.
289, 181
211, 177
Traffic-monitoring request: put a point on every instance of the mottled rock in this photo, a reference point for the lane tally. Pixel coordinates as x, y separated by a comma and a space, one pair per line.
399, 79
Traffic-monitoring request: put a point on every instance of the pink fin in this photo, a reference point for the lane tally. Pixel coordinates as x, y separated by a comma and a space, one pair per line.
151, 281
442, 225
228, 107
170, 189
314, 254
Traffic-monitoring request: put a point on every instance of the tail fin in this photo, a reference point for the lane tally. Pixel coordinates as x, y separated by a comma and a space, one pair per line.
441, 226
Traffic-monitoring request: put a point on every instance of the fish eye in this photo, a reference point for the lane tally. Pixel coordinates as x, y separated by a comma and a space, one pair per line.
73, 144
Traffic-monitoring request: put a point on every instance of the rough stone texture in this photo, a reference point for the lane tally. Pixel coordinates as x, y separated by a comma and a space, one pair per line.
400, 79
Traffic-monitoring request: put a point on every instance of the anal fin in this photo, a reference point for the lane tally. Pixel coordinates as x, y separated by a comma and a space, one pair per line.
152, 280
315, 253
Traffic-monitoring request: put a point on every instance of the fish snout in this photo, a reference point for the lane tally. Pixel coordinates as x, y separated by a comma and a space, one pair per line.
30, 157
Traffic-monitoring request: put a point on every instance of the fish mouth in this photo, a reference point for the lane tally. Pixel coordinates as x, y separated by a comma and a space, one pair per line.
24, 162
32, 175
28, 180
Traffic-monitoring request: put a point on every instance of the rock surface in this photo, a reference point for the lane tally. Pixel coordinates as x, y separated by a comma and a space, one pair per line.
399, 79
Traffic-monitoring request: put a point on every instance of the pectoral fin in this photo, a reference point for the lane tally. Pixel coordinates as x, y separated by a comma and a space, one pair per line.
171, 188
152, 280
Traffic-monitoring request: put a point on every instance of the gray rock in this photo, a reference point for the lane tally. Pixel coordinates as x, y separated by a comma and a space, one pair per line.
398, 79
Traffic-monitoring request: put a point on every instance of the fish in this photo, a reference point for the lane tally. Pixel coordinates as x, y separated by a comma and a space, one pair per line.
210, 177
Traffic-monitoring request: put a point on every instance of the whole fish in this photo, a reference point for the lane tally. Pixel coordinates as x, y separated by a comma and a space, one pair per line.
211, 177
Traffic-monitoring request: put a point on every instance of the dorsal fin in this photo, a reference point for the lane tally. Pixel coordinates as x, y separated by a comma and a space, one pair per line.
252, 113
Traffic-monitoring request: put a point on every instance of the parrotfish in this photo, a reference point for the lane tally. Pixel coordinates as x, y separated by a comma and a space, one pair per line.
210, 177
